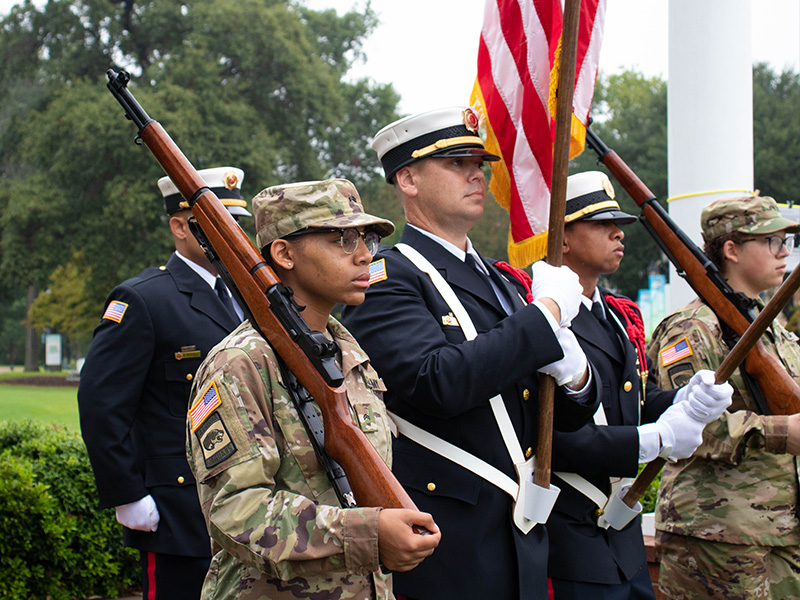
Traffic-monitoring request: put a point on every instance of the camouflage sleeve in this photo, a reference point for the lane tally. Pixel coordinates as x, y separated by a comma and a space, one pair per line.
255, 496
679, 347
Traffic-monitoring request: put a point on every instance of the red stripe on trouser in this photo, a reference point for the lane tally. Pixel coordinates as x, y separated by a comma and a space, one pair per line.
151, 576
550, 593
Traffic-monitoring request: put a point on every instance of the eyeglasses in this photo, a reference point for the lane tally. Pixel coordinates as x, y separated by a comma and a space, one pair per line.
775, 242
348, 237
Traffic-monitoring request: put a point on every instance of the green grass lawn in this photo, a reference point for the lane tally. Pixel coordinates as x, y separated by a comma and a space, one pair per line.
50, 404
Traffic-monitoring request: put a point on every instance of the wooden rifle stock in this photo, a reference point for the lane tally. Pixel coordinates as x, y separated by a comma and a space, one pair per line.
781, 392
370, 478
738, 353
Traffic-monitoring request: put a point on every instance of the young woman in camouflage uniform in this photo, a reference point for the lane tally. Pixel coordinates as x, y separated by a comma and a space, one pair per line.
727, 517
277, 528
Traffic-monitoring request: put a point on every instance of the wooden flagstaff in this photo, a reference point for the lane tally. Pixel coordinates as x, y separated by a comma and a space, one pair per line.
725, 370
558, 199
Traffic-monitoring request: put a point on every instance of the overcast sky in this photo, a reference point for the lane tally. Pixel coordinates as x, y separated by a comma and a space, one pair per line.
428, 48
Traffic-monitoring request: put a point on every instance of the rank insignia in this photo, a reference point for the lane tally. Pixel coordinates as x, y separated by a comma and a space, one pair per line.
450, 319
377, 271
115, 311
204, 405
675, 352
187, 352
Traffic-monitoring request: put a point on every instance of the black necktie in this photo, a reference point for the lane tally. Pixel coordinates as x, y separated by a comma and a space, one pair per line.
606, 324
225, 297
473, 264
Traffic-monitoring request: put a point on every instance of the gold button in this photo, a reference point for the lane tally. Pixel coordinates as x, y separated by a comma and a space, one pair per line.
189, 377
526, 394
599, 512
431, 486
162, 268
181, 479
528, 452
642, 402
628, 386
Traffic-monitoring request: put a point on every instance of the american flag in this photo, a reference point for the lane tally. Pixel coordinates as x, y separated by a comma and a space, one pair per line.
207, 403
115, 311
674, 353
519, 56
377, 271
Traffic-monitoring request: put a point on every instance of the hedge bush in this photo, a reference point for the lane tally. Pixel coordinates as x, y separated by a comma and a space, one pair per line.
55, 543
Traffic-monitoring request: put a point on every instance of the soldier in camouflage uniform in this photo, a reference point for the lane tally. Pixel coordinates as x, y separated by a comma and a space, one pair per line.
726, 519
277, 528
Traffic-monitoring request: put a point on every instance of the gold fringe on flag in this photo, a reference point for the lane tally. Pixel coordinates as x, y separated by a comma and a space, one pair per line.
528, 251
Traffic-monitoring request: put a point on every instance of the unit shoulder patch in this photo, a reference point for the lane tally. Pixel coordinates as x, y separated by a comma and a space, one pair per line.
675, 352
377, 271
679, 375
115, 311
215, 440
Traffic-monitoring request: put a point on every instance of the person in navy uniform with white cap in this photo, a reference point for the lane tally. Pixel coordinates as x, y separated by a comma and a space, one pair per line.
134, 394
460, 352
637, 421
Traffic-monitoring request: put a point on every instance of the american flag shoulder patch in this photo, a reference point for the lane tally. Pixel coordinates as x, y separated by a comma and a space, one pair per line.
115, 311
675, 352
204, 405
377, 271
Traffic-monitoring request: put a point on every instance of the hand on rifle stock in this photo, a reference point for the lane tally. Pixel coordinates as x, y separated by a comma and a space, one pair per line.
399, 546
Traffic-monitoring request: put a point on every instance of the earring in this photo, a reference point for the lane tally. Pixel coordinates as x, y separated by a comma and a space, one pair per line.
288, 264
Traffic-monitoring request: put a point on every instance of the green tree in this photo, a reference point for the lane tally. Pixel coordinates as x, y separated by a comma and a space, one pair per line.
254, 83
630, 113
12, 331
776, 133
66, 306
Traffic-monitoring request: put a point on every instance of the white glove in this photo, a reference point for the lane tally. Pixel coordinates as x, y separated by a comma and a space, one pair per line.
141, 515
680, 432
570, 369
705, 400
561, 285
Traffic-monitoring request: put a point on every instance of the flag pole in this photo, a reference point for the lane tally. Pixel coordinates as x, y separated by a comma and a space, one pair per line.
555, 233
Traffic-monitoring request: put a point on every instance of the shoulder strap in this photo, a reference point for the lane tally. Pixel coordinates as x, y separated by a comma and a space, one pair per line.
465, 322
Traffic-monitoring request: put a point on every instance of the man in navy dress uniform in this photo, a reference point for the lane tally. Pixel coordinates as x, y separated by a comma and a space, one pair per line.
460, 352
589, 559
134, 392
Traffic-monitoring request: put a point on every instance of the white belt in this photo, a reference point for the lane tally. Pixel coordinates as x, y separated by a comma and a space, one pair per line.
611, 505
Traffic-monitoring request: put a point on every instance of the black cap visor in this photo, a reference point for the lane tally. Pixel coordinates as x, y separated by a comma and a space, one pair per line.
619, 217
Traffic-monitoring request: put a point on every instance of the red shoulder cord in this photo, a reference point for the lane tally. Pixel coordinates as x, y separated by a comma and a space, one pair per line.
634, 327
520, 276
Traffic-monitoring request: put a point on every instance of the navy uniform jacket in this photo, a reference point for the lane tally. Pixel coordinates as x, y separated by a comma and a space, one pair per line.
579, 549
133, 399
441, 382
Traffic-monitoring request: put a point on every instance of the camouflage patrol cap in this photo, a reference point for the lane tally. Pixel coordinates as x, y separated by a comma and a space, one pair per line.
284, 209
746, 214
